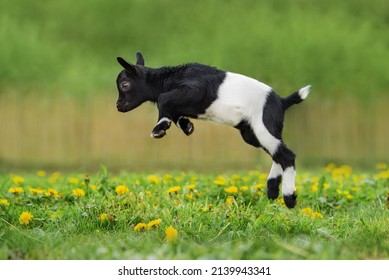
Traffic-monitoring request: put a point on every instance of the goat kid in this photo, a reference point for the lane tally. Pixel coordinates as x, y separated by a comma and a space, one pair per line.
205, 92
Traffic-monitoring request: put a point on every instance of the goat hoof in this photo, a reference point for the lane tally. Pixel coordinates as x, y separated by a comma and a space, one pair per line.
189, 129
158, 134
290, 200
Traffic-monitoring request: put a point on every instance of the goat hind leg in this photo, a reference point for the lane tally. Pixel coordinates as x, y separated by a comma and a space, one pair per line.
274, 180
286, 158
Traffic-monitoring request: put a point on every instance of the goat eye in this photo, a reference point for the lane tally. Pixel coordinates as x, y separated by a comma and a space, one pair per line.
125, 85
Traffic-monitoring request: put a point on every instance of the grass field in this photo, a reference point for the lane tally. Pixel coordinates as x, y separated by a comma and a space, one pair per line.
341, 214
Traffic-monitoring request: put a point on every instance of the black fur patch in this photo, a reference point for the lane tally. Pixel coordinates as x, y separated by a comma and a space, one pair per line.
273, 187
247, 134
273, 115
290, 200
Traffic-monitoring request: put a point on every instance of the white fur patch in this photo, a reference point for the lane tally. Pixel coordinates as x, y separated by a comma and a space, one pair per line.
239, 97
242, 98
305, 91
288, 185
275, 171
164, 119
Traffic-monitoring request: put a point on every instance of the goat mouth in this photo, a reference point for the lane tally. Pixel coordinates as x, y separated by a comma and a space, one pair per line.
122, 107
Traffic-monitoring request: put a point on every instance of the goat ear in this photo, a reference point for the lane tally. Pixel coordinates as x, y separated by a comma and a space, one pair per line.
139, 59
128, 66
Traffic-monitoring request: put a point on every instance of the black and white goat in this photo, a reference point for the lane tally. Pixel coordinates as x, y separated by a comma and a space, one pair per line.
204, 92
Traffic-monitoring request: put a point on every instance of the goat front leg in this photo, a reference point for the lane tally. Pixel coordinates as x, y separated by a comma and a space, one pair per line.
174, 106
185, 124
159, 130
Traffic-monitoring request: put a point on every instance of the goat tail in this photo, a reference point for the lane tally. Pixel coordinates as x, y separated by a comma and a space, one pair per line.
296, 97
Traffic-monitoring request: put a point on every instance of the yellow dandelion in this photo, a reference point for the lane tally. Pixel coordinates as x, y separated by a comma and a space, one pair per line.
167, 178
230, 200
263, 176
231, 190
317, 215
140, 227
153, 223
4, 202
121, 189
41, 173
191, 187
244, 188
174, 189
16, 190
78, 192
381, 166
314, 187
171, 234
330, 167
153, 179
220, 180
207, 208
54, 177
73, 181
52, 192
259, 186
349, 196
382, 175
189, 196
326, 186
35, 191
103, 217
25, 218
17, 180
307, 211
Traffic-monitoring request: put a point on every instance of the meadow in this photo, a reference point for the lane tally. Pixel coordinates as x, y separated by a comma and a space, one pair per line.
341, 214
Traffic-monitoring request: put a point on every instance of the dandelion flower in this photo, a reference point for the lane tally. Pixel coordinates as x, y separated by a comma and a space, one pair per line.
191, 187
121, 189
17, 180
78, 192
25, 218
140, 227
174, 189
231, 190
230, 200
244, 188
52, 192
103, 217
307, 211
4, 202
16, 190
220, 180
73, 181
171, 234
41, 173
34, 191
317, 215
381, 166
153, 179
153, 223
314, 188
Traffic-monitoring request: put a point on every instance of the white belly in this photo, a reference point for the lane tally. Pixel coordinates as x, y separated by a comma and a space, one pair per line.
239, 98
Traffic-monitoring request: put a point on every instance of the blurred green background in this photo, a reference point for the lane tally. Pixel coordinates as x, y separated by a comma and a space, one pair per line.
58, 69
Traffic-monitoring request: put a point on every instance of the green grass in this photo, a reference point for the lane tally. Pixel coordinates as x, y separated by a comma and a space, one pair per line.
341, 215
